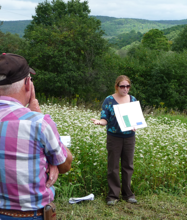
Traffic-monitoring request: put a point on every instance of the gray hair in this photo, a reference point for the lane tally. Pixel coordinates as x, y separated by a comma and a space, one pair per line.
12, 88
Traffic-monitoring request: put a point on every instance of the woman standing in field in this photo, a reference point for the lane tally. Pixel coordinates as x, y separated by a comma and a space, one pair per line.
119, 144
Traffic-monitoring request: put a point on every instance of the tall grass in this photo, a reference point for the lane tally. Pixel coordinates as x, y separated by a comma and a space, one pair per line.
160, 162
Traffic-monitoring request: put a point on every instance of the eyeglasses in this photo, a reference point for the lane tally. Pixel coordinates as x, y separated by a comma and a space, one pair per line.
30, 79
123, 86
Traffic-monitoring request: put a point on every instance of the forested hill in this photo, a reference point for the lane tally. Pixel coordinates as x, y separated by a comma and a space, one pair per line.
116, 26
111, 25
125, 39
14, 27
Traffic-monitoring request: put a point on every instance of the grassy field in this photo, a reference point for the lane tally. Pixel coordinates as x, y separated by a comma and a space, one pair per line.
160, 167
162, 206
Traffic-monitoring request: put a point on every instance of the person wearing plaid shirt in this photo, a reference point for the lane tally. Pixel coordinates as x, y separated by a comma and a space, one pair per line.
30, 145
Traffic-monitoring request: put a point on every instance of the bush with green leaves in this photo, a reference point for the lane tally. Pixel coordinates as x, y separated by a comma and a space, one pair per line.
157, 77
155, 40
11, 43
138, 65
169, 80
180, 42
65, 47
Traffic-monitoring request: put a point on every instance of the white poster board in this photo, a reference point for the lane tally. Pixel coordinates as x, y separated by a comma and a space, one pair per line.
66, 140
129, 116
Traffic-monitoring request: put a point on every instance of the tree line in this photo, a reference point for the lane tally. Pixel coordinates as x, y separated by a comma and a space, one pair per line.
67, 49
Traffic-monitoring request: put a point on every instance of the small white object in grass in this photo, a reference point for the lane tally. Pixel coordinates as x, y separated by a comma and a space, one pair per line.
80, 199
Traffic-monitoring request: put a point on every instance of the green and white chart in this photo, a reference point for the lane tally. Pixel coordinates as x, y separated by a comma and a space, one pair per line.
129, 116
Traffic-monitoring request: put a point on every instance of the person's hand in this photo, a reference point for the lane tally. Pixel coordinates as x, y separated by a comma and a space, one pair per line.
53, 175
99, 122
134, 129
33, 102
95, 121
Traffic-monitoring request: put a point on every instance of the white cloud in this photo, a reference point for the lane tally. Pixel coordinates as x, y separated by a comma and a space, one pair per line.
17, 10
152, 10
20, 5
144, 9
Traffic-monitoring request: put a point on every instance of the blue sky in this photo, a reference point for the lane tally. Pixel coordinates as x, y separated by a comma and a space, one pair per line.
145, 9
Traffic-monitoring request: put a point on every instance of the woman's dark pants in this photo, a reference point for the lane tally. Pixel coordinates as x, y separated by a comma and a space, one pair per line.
120, 148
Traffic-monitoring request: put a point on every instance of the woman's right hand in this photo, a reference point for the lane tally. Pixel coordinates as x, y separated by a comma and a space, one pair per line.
95, 121
99, 122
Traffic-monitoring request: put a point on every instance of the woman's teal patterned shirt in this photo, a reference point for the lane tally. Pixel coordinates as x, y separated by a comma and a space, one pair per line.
108, 114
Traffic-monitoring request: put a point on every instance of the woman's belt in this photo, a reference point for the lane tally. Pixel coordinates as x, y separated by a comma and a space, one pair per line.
20, 214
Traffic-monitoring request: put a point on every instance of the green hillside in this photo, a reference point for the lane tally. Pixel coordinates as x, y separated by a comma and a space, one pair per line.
125, 39
172, 32
173, 22
14, 27
114, 27
111, 25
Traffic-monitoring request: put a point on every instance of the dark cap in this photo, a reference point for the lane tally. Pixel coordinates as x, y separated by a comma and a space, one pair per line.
14, 68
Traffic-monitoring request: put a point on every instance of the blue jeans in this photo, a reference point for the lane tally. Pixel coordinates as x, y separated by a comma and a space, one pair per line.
6, 217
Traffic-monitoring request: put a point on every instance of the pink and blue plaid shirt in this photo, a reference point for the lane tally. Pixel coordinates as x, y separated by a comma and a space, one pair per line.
28, 142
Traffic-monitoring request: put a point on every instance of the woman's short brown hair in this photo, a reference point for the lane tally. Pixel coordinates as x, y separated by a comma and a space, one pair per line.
120, 79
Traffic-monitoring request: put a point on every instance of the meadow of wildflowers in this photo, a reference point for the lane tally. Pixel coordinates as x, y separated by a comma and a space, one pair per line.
160, 161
